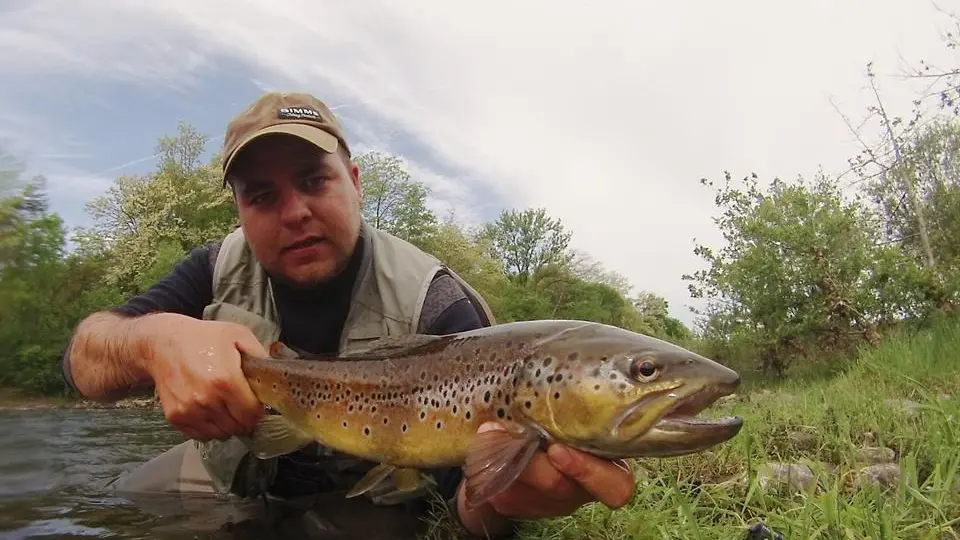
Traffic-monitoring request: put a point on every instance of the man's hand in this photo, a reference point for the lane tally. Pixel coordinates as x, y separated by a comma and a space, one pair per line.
195, 367
555, 483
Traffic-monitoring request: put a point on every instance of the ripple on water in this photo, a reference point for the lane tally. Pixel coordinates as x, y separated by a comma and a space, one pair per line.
53, 464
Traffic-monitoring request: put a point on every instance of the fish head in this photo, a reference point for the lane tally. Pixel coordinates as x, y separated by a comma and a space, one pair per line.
617, 393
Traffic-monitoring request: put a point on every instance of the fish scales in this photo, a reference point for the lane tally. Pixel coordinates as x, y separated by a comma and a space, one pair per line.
418, 410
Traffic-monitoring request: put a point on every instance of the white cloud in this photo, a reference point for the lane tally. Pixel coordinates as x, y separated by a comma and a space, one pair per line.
605, 113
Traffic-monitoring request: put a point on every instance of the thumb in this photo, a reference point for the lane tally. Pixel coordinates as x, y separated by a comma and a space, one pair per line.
245, 341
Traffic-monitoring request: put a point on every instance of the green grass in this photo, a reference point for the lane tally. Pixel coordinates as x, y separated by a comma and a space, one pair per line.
822, 423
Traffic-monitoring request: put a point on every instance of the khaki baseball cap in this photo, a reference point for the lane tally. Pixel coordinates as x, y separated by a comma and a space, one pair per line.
297, 114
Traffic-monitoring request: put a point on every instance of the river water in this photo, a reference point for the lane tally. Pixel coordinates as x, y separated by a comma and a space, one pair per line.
54, 465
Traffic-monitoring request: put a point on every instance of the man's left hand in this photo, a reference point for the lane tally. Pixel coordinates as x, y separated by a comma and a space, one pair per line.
555, 483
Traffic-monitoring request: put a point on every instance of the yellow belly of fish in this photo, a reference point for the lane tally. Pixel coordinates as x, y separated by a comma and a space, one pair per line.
404, 440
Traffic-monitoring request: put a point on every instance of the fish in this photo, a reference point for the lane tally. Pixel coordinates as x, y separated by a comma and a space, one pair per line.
414, 402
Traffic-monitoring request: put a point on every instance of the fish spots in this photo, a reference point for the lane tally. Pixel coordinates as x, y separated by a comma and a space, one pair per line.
501, 412
486, 397
528, 404
439, 425
366, 430
403, 427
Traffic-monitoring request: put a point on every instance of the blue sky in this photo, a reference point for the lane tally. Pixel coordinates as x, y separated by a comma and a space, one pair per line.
606, 115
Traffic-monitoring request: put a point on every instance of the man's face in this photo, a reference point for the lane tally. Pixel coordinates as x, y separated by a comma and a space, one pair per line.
299, 208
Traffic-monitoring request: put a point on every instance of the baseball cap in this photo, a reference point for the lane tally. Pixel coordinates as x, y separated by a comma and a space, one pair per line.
298, 114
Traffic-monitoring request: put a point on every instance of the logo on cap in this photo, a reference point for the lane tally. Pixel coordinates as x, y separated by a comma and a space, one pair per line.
299, 113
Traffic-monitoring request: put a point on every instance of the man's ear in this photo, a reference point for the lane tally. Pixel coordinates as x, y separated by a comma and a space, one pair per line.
355, 174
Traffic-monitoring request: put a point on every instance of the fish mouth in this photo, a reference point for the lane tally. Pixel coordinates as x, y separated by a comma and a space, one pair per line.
684, 414
680, 429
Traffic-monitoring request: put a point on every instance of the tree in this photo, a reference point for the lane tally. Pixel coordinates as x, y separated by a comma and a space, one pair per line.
801, 267
181, 205
527, 241
392, 201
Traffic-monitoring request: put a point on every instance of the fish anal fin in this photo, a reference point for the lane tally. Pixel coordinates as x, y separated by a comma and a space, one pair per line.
372, 479
392, 345
495, 460
407, 479
274, 436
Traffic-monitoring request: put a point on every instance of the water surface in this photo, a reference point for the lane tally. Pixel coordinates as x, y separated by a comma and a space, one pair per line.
54, 465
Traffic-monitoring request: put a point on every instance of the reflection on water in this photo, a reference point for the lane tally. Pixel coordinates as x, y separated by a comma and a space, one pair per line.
54, 465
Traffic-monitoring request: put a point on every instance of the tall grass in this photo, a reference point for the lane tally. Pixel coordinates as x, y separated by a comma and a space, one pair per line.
821, 423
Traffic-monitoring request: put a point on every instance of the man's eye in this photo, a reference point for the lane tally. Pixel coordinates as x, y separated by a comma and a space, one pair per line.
313, 182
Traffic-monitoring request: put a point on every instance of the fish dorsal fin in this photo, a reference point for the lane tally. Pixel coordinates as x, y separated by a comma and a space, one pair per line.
392, 345
278, 350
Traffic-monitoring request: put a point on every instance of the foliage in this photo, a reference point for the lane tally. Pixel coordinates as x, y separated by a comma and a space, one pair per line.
144, 224
809, 270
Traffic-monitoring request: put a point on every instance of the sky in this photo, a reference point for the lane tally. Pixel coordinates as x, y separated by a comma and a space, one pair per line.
605, 113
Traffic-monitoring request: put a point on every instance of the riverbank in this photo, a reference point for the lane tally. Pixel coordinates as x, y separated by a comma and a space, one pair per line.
16, 399
869, 453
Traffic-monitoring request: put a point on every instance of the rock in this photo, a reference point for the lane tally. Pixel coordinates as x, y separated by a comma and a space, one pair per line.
876, 454
793, 476
886, 475
803, 440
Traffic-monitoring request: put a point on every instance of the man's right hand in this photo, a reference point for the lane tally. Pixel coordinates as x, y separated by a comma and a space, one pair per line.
195, 367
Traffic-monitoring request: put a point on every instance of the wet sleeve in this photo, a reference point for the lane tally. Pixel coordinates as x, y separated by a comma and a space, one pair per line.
187, 290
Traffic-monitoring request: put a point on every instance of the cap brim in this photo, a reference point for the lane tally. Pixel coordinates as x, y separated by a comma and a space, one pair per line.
318, 137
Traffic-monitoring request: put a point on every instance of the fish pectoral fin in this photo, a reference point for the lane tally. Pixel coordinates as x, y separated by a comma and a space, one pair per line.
274, 435
494, 461
392, 345
372, 479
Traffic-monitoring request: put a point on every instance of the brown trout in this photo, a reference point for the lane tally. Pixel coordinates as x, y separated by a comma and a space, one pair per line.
416, 401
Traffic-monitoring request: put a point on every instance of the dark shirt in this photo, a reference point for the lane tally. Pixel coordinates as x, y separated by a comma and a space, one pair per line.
312, 321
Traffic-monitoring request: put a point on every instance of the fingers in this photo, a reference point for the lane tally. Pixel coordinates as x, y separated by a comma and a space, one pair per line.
204, 393
606, 481
529, 502
244, 405
543, 476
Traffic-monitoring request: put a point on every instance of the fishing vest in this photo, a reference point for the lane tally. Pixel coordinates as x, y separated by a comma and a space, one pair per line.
387, 300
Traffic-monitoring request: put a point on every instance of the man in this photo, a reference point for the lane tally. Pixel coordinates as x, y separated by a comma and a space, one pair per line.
304, 268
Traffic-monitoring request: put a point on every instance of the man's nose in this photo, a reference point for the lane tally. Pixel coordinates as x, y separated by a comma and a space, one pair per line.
294, 208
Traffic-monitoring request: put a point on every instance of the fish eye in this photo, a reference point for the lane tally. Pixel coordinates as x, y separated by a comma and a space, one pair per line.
644, 370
